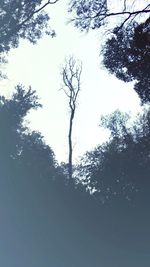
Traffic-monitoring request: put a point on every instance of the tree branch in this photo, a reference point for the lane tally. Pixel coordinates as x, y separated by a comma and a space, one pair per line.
105, 15
96, 18
37, 11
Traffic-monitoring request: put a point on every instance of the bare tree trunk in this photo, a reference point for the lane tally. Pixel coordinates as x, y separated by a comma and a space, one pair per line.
71, 79
70, 144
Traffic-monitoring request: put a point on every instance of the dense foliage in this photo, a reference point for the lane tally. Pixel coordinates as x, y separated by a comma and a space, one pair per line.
127, 55
22, 19
23, 151
86, 13
119, 168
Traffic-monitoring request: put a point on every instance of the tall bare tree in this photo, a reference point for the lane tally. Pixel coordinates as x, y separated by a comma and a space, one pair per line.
71, 73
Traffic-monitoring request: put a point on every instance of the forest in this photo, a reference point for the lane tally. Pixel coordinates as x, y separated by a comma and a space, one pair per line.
94, 212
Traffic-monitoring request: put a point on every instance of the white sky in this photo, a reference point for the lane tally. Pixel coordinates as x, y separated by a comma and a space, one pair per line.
39, 66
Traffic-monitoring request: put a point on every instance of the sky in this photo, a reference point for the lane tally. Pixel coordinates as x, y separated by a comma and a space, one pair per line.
40, 66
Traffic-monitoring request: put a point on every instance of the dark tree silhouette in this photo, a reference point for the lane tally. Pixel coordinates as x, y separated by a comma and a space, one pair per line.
119, 169
71, 74
127, 55
23, 152
12, 113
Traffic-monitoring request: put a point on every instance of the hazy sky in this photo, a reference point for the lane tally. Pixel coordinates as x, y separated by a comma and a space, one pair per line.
39, 66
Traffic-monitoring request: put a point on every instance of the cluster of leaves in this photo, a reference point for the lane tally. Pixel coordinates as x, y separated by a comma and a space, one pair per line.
127, 55
127, 52
87, 14
22, 19
120, 167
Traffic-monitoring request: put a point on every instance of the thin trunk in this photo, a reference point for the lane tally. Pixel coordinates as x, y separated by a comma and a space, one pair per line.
70, 145
71, 79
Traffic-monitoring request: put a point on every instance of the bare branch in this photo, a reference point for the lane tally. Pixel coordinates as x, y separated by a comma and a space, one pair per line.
71, 74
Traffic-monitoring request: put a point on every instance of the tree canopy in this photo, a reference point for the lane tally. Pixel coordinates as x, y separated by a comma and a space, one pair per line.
25, 152
127, 55
120, 167
23, 19
88, 14
127, 51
